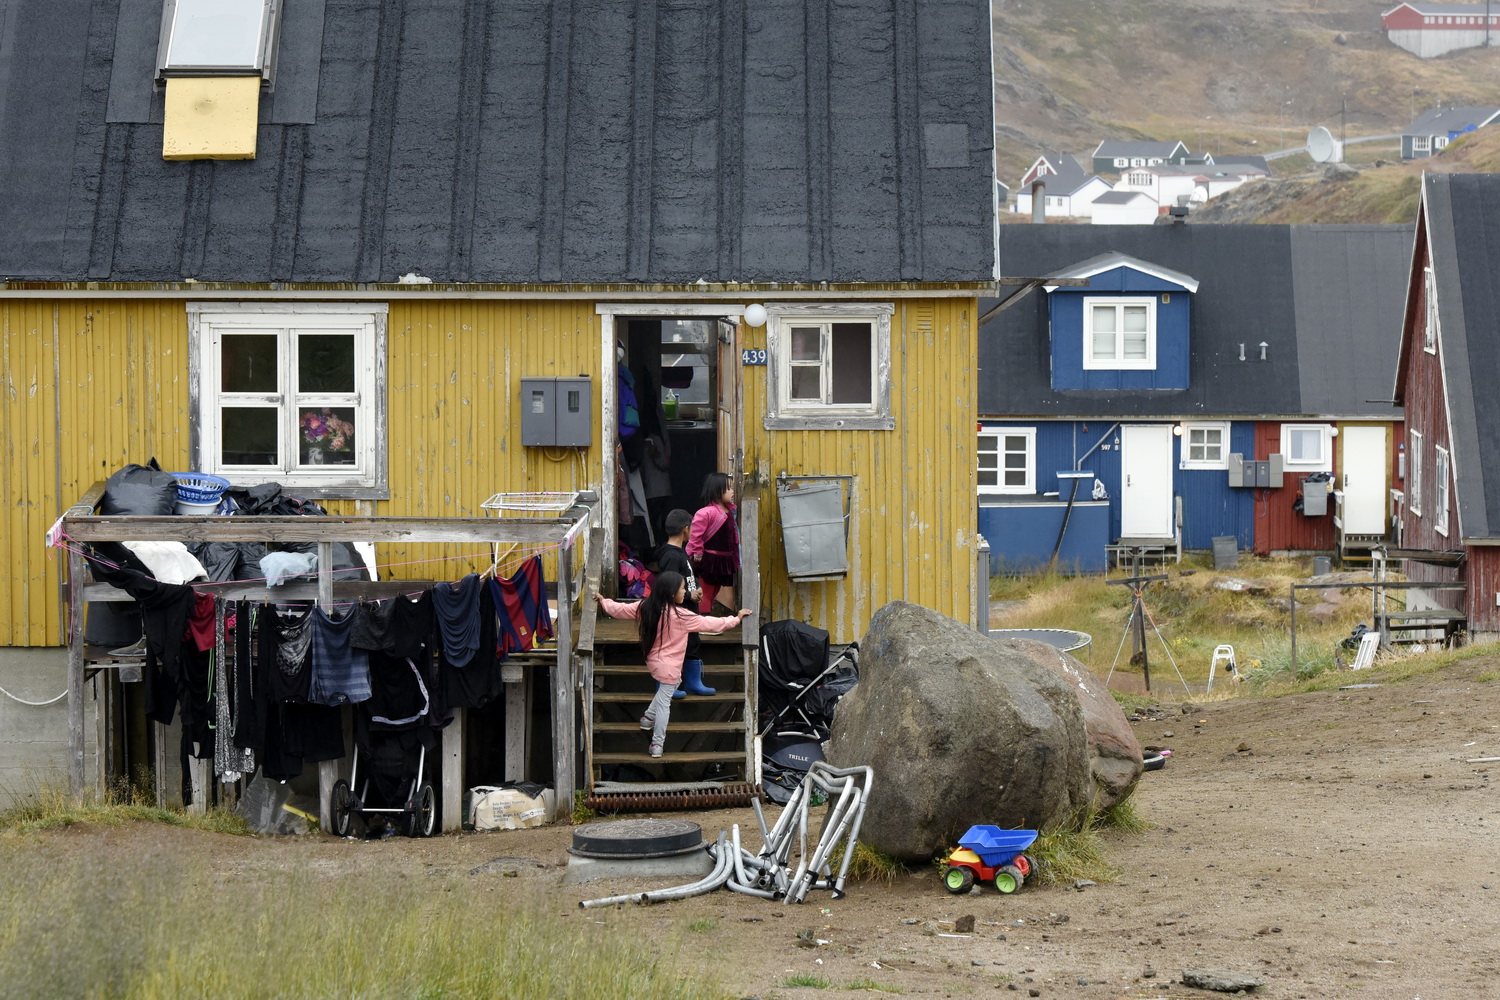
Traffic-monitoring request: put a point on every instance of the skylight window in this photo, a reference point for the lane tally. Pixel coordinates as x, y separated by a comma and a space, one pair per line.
217, 37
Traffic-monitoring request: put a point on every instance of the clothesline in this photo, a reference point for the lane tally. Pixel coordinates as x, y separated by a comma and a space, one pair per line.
514, 558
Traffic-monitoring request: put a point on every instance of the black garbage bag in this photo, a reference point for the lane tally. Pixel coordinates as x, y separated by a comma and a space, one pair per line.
140, 490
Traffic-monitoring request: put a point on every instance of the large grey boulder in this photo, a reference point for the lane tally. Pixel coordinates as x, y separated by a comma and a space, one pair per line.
1114, 752
960, 729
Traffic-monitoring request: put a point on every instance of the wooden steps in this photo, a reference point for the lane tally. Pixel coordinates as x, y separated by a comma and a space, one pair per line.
637, 670
673, 727
682, 757
613, 697
707, 736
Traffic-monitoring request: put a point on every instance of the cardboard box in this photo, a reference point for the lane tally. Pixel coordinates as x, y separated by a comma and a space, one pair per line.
493, 808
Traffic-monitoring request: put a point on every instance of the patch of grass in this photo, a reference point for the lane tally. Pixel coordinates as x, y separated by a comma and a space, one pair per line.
1487, 676
870, 984
1064, 855
1194, 615
138, 928
1124, 817
50, 807
869, 865
806, 979
702, 925
581, 812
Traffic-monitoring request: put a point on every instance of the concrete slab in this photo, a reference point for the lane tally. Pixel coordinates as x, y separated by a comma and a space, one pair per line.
690, 867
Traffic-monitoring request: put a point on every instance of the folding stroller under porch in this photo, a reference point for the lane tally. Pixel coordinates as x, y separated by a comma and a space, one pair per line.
389, 777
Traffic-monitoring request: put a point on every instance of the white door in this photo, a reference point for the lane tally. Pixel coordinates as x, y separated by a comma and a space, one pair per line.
1364, 482
1146, 481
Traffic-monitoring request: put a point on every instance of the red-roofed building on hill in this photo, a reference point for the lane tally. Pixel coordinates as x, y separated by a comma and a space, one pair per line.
1433, 29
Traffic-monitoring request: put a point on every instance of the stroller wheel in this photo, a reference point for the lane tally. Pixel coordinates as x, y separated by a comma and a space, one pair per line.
340, 808
423, 816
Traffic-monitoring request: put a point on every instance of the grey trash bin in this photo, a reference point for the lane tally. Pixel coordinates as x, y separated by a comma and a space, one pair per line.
1226, 552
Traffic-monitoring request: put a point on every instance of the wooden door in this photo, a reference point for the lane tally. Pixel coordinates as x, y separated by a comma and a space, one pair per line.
727, 405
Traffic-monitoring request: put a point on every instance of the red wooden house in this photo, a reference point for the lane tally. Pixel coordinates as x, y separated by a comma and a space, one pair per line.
1447, 377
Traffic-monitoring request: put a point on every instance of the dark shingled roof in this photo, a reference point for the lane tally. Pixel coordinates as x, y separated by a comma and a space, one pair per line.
1463, 231
1326, 299
1441, 121
525, 141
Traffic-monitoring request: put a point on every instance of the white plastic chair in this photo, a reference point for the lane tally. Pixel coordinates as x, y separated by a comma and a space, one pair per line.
1369, 644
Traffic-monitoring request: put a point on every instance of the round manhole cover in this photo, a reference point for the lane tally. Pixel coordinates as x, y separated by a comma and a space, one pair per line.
637, 838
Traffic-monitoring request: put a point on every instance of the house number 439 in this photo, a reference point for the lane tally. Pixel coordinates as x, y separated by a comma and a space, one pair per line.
753, 356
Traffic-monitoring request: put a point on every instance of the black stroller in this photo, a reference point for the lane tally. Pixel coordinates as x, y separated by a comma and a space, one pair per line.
392, 737
800, 684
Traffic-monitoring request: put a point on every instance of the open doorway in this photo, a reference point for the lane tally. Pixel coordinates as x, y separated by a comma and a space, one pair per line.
682, 373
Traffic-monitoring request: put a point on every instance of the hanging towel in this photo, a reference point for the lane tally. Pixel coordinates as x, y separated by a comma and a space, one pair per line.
456, 606
522, 605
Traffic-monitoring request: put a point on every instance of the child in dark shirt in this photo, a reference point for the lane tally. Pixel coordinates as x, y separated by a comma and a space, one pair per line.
672, 557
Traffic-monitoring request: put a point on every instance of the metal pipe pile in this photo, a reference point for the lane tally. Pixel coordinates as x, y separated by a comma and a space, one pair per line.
769, 873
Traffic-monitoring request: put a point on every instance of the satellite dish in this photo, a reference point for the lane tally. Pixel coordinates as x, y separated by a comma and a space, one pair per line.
1322, 146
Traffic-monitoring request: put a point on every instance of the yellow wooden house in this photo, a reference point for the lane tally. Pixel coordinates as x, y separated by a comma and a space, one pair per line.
413, 225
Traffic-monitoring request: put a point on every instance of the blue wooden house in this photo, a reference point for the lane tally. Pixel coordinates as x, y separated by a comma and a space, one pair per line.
1207, 382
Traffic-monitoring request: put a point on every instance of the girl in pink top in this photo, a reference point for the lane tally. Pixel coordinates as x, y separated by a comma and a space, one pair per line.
714, 542
664, 629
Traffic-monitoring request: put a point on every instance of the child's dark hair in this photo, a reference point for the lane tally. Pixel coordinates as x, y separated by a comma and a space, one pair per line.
715, 485
677, 522
661, 601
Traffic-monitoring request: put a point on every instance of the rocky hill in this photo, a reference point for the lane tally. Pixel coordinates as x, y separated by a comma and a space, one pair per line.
1222, 75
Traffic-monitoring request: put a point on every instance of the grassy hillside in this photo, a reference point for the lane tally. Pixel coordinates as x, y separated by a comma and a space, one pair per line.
1385, 193
1225, 75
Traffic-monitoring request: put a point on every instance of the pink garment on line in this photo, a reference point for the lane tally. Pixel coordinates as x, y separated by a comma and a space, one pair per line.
665, 659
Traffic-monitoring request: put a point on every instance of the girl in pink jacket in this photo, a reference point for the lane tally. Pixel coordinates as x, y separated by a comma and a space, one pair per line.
714, 542
664, 629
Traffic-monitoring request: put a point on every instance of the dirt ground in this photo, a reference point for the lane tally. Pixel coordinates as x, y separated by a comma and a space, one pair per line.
1334, 844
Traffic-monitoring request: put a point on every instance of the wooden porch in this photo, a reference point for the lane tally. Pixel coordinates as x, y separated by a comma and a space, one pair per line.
568, 535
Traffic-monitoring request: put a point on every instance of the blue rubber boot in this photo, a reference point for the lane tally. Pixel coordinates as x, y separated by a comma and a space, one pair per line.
692, 678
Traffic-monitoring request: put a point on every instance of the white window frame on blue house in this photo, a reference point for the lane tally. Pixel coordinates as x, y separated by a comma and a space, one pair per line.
1215, 454
1119, 362
1322, 463
991, 451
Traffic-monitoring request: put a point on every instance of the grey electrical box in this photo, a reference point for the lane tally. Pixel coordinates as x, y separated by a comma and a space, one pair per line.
1263, 473
557, 411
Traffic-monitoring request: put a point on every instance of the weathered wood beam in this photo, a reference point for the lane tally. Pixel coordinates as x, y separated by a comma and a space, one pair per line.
77, 573
179, 528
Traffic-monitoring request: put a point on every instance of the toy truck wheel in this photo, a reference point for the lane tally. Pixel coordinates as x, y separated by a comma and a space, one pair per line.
1008, 879
1024, 863
958, 880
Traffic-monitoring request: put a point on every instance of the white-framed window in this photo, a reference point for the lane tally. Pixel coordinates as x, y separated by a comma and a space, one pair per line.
218, 37
1429, 298
1119, 333
1307, 447
1414, 481
1439, 142
1121, 161
1205, 445
1421, 143
1440, 494
291, 392
829, 366
1007, 459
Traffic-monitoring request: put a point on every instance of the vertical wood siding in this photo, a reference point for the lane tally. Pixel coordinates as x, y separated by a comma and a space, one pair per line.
1278, 526
89, 386
1427, 414
913, 529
